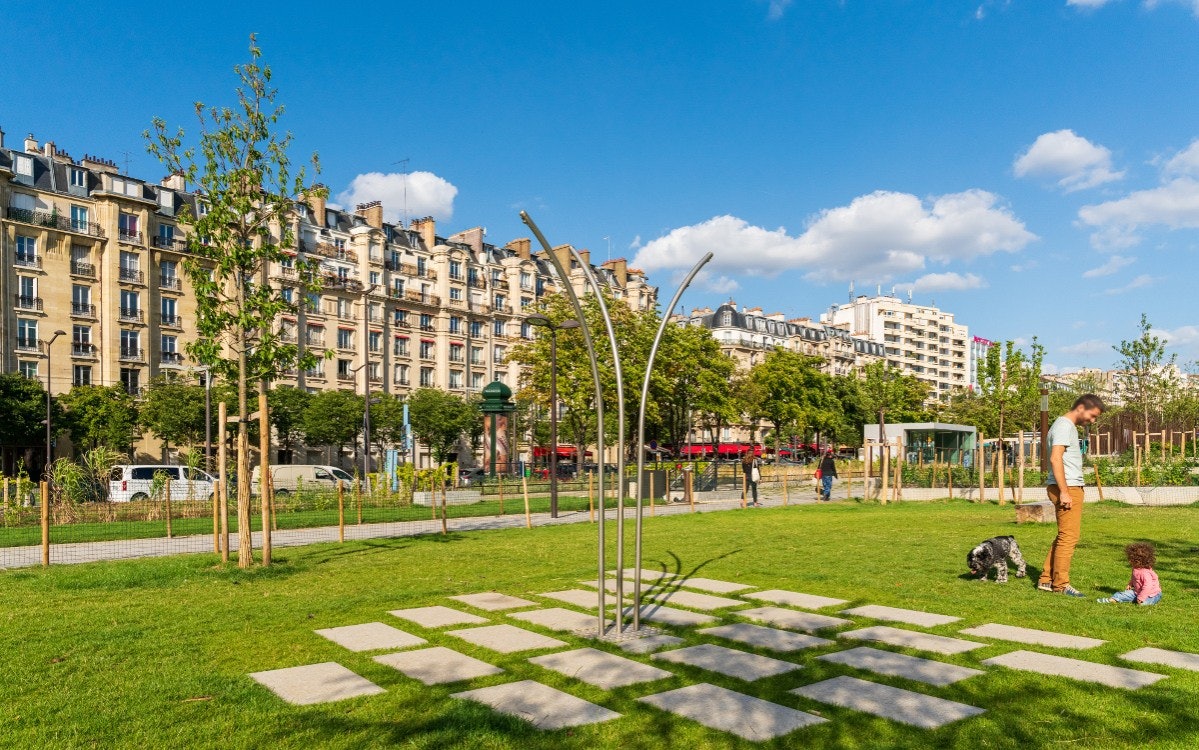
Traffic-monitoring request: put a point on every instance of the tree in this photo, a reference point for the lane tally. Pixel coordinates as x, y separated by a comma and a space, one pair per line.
691, 379
387, 420
792, 392
287, 406
439, 419
333, 418
174, 411
247, 193
1147, 377
96, 416
23, 404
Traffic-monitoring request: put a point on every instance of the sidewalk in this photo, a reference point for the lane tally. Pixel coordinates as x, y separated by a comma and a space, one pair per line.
123, 549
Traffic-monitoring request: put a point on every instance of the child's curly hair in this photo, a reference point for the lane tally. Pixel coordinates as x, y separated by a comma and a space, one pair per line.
1141, 555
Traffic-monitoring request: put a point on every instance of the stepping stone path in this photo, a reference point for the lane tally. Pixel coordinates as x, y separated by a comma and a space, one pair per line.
714, 586
649, 643
1076, 669
316, 683
646, 574
506, 639
796, 599
437, 617
894, 614
493, 602
728, 661
370, 637
671, 616
600, 668
728, 711
763, 637
556, 618
580, 598
917, 709
540, 705
901, 665
438, 665
1176, 659
1034, 637
705, 602
789, 618
911, 639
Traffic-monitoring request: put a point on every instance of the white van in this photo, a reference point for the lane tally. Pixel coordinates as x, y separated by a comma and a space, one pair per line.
286, 478
129, 482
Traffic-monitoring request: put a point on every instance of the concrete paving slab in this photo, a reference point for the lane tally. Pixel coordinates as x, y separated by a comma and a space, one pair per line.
647, 574
600, 668
712, 585
557, 618
939, 644
650, 643
437, 617
438, 665
506, 639
726, 710
706, 602
580, 598
370, 637
728, 661
895, 614
796, 599
609, 584
763, 637
1034, 637
1176, 659
1075, 669
901, 665
315, 683
493, 602
905, 706
540, 705
671, 616
789, 618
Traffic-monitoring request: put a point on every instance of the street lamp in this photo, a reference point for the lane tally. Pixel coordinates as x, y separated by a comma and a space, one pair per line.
48, 345
366, 428
537, 319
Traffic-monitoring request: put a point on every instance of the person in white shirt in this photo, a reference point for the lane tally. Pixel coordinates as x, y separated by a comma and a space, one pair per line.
1065, 489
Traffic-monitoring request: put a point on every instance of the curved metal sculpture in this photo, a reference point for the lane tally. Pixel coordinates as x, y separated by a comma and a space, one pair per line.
649, 368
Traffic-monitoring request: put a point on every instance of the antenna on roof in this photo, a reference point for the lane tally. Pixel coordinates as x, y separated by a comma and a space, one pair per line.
609, 239
909, 295
127, 160
851, 291
404, 175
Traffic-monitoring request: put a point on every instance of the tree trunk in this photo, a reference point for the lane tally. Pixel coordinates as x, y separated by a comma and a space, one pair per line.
245, 541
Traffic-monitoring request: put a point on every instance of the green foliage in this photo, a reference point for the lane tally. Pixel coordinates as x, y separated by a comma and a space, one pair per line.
332, 418
1009, 394
98, 416
901, 395
691, 379
439, 419
1147, 380
174, 411
387, 420
287, 405
23, 404
789, 391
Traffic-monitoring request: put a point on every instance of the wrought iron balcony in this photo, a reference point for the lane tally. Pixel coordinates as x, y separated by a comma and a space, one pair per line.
328, 250
82, 310
170, 282
86, 270
171, 321
171, 358
131, 315
177, 244
132, 236
314, 341
132, 354
132, 275
53, 220
28, 346
29, 303
83, 350
27, 261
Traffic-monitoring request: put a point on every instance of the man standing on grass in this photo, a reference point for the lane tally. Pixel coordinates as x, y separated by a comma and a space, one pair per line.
1065, 488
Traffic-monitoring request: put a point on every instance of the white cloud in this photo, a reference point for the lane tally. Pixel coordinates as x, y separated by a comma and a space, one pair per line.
946, 282
1174, 204
426, 194
1113, 264
1072, 160
1185, 162
1184, 338
1140, 281
874, 238
1087, 348
1149, 4
776, 8
1027, 265
1088, 3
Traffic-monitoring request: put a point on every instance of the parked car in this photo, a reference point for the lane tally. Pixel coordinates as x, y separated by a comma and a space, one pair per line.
287, 478
134, 482
467, 477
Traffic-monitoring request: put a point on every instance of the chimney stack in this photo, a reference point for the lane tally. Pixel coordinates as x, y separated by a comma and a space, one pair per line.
1, 137
620, 269
48, 150
372, 212
586, 256
175, 181
427, 228
316, 203
31, 144
521, 247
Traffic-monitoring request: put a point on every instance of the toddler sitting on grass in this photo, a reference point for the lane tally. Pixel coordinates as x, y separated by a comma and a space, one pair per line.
1143, 588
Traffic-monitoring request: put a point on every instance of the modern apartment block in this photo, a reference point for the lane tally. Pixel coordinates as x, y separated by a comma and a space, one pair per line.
920, 339
978, 355
99, 255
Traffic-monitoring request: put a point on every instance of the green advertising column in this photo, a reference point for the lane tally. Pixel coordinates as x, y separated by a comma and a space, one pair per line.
497, 405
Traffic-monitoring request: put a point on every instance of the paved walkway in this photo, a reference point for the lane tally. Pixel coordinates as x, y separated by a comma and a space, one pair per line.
120, 549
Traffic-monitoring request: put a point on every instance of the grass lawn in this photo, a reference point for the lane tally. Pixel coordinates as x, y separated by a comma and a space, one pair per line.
155, 653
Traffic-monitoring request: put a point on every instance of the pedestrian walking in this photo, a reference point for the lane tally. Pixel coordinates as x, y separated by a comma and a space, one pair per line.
752, 466
1065, 489
828, 472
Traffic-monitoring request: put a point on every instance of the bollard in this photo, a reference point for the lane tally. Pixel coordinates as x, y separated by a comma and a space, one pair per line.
591, 494
167, 491
341, 512
524, 481
223, 468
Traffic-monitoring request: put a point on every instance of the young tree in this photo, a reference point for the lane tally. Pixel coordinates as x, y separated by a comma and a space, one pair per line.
791, 391
287, 406
247, 191
174, 411
333, 418
1147, 378
889, 393
98, 416
23, 404
439, 419
691, 380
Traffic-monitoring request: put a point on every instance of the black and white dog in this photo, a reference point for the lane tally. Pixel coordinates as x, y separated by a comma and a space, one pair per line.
994, 553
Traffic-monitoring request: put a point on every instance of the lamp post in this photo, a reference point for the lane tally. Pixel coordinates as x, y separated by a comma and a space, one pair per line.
537, 319
49, 344
366, 427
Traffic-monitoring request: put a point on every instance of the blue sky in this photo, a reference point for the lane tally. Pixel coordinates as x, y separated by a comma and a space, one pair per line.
1031, 165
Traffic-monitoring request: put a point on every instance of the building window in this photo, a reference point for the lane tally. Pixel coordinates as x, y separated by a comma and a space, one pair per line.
26, 290
456, 352
376, 341
374, 278
82, 375
400, 317
79, 218
499, 301
312, 302
455, 293
498, 355
130, 380
23, 165
78, 178
526, 331
421, 266
455, 378
128, 225
476, 380
455, 325
401, 374
400, 346
427, 349
476, 355
130, 343
526, 280
343, 368
129, 304
345, 338
166, 199
27, 334
26, 250
456, 270
476, 329
497, 328
28, 369
496, 277
525, 302
426, 322
288, 294
426, 377
129, 261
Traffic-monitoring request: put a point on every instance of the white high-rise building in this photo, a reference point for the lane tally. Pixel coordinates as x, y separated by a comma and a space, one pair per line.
919, 339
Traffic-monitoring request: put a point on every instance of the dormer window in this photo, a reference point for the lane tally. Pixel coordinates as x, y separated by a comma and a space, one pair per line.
23, 165
166, 199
